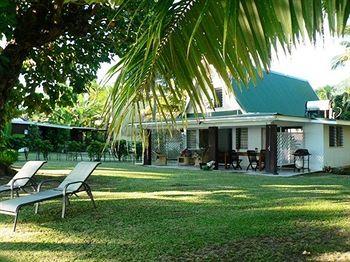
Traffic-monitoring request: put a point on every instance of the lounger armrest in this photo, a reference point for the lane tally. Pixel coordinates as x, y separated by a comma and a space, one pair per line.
21, 178
46, 182
75, 182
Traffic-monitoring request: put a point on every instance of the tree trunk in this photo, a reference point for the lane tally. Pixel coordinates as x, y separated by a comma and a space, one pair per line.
11, 60
7, 171
40, 24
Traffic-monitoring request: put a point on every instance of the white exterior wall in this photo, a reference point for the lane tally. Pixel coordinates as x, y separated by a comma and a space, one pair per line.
229, 102
234, 138
254, 141
337, 156
314, 142
254, 137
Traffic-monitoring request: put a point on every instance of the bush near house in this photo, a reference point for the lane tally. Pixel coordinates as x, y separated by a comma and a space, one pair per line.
95, 150
8, 157
121, 149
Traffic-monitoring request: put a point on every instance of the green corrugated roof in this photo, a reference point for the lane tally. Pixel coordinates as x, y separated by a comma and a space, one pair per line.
275, 93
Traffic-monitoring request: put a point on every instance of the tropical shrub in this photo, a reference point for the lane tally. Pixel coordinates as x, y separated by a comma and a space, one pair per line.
33, 139
45, 147
17, 141
121, 150
75, 146
95, 150
58, 138
8, 157
138, 149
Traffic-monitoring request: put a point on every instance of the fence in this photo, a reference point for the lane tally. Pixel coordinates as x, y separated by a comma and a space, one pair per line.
168, 144
287, 143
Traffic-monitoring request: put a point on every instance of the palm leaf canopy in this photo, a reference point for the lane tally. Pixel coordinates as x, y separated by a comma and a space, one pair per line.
182, 39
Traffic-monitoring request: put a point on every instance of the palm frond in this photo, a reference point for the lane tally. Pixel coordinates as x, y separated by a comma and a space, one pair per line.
185, 38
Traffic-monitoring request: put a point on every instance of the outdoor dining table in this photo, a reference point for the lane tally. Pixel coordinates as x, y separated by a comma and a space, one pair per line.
242, 153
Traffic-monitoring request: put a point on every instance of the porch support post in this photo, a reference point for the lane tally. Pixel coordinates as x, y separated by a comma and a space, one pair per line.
147, 153
271, 149
213, 145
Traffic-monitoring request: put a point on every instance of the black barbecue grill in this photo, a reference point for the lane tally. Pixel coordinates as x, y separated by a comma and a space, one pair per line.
304, 156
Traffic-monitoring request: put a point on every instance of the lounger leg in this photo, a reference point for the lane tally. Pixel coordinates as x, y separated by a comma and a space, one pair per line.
89, 193
64, 201
15, 222
91, 197
36, 209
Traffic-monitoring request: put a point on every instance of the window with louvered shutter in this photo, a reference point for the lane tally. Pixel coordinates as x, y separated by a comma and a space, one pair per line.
339, 135
332, 134
192, 139
242, 138
336, 138
219, 101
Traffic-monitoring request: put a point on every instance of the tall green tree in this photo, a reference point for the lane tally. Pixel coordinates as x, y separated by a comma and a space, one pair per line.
57, 47
86, 111
184, 38
326, 93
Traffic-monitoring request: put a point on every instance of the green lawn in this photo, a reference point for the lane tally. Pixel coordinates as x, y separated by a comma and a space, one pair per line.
162, 214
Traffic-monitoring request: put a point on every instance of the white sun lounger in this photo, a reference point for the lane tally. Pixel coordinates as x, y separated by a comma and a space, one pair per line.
75, 182
23, 178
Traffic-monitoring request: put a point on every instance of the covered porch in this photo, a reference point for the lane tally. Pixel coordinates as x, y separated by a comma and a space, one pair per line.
284, 172
272, 138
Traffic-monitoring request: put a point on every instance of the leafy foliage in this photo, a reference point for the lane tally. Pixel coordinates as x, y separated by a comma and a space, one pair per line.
45, 147
326, 93
57, 47
75, 146
7, 18
8, 157
339, 98
121, 149
185, 38
138, 150
9, 140
33, 138
342, 102
95, 150
86, 111
58, 138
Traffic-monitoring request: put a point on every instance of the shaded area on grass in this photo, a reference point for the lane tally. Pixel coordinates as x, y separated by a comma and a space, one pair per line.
154, 214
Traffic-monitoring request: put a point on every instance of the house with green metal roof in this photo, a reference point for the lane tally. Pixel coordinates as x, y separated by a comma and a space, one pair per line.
275, 93
274, 116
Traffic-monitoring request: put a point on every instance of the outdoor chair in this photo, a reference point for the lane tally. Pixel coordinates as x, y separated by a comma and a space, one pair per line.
253, 160
23, 178
261, 162
75, 182
235, 161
